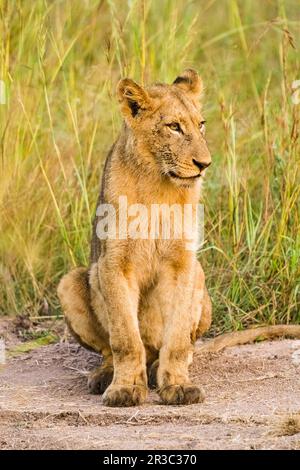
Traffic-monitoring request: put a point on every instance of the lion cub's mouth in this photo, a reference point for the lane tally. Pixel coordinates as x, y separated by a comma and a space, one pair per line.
172, 174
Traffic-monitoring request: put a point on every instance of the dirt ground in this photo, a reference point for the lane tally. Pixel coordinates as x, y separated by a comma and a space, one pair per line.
252, 401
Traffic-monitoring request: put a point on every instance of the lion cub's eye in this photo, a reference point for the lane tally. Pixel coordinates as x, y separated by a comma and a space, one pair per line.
202, 127
174, 126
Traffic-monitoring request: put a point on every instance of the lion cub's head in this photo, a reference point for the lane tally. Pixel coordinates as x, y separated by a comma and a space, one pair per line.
166, 127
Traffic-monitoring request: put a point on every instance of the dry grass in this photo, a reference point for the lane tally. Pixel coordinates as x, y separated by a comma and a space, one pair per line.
61, 61
288, 426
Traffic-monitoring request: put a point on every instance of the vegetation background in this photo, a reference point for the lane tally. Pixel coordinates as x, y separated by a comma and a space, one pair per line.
60, 61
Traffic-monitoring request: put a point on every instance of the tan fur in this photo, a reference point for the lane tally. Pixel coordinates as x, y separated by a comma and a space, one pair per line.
247, 336
145, 301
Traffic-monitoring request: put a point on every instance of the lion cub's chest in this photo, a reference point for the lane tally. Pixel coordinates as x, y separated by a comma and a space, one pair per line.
149, 258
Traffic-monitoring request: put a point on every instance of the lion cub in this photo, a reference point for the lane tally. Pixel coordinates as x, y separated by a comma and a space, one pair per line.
143, 302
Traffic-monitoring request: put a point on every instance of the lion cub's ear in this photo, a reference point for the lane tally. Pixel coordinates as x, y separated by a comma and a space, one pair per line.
132, 98
190, 82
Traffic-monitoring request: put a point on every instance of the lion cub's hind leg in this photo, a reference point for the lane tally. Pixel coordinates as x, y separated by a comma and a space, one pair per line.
201, 306
152, 374
206, 315
74, 295
101, 377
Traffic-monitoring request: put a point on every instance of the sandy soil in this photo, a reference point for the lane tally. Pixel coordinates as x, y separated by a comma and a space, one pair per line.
252, 402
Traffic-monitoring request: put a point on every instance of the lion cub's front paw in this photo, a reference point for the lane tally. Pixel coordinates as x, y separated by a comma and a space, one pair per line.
99, 379
125, 395
181, 394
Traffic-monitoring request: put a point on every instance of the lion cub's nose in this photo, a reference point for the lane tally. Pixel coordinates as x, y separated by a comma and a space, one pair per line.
201, 165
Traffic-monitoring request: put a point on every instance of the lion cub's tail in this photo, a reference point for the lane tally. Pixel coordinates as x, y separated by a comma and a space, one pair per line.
247, 336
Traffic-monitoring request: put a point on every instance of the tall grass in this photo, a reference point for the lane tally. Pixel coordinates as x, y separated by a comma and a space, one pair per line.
60, 61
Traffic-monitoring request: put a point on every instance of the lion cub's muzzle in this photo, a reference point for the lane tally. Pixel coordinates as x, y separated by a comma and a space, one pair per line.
201, 165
